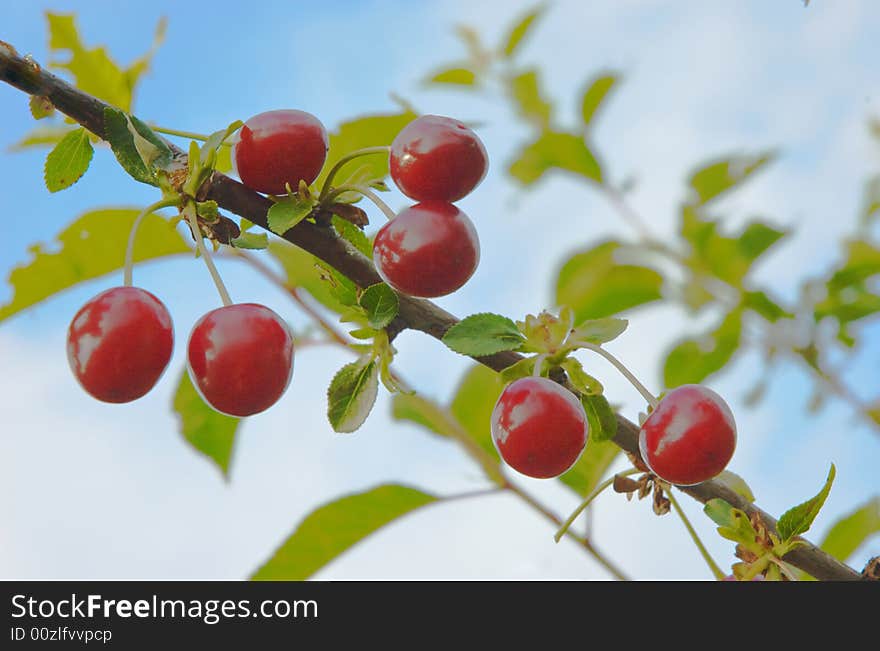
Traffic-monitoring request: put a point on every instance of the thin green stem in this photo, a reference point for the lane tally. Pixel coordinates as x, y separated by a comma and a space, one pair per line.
647, 395
713, 566
369, 194
129, 249
596, 492
367, 151
189, 212
184, 134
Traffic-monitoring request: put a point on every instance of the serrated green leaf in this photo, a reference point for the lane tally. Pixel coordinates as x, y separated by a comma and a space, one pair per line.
602, 419
287, 213
68, 161
599, 331
737, 484
422, 411
520, 29
116, 132
454, 76
253, 241
592, 465
91, 246
41, 107
799, 519
526, 93
381, 304
352, 394
693, 360
595, 285
717, 177
580, 379
853, 529
333, 528
205, 429
594, 95
483, 334
354, 235
555, 150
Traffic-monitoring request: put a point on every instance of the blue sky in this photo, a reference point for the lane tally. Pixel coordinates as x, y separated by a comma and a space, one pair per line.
98, 491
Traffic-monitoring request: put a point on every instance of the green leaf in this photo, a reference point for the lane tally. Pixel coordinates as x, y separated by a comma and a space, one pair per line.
554, 150
68, 161
594, 95
254, 241
737, 484
852, 529
333, 528
354, 235
303, 270
483, 334
862, 262
586, 473
762, 304
42, 137
381, 304
798, 519
424, 412
580, 379
717, 177
91, 246
520, 29
287, 213
756, 238
602, 419
522, 368
41, 107
599, 331
208, 431
693, 360
720, 512
367, 131
473, 403
116, 132
530, 104
597, 286
454, 76
352, 394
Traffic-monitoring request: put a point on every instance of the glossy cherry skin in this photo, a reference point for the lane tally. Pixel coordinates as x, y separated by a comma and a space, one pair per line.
428, 250
690, 437
539, 428
435, 158
279, 147
240, 358
119, 344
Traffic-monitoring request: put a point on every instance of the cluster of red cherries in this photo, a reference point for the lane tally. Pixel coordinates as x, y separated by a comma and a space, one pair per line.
240, 356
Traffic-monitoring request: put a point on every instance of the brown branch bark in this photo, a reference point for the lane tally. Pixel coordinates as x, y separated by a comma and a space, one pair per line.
321, 241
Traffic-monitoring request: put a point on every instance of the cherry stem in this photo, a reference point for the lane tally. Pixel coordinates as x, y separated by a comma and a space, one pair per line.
185, 134
647, 395
369, 194
367, 151
713, 566
596, 492
129, 249
190, 213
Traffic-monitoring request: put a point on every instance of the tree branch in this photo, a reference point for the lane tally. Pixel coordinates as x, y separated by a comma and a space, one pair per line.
322, 242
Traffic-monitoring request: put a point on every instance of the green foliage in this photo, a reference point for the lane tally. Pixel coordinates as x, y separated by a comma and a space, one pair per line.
555, 150
761, 304
693, 360
42, 136
381, 305
303, 270
251, 241
91, 246
737, 484
526, 92
128, 149
207, 430
599, 331
424, 412
851, 296
851, 530
352, 394
595, 95
68, 161
40, 107
520, 30
595, 285
582, 381
334, 528
354, 235
455, 76
588, 471
717, 177
483, 334
600, 415
798, 519
288, 212
473, 403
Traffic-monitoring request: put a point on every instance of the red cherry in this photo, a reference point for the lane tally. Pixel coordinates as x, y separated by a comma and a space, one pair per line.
240, 358
539, 428
119, 343
690, 437
434, 158
428, 250
279, 147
